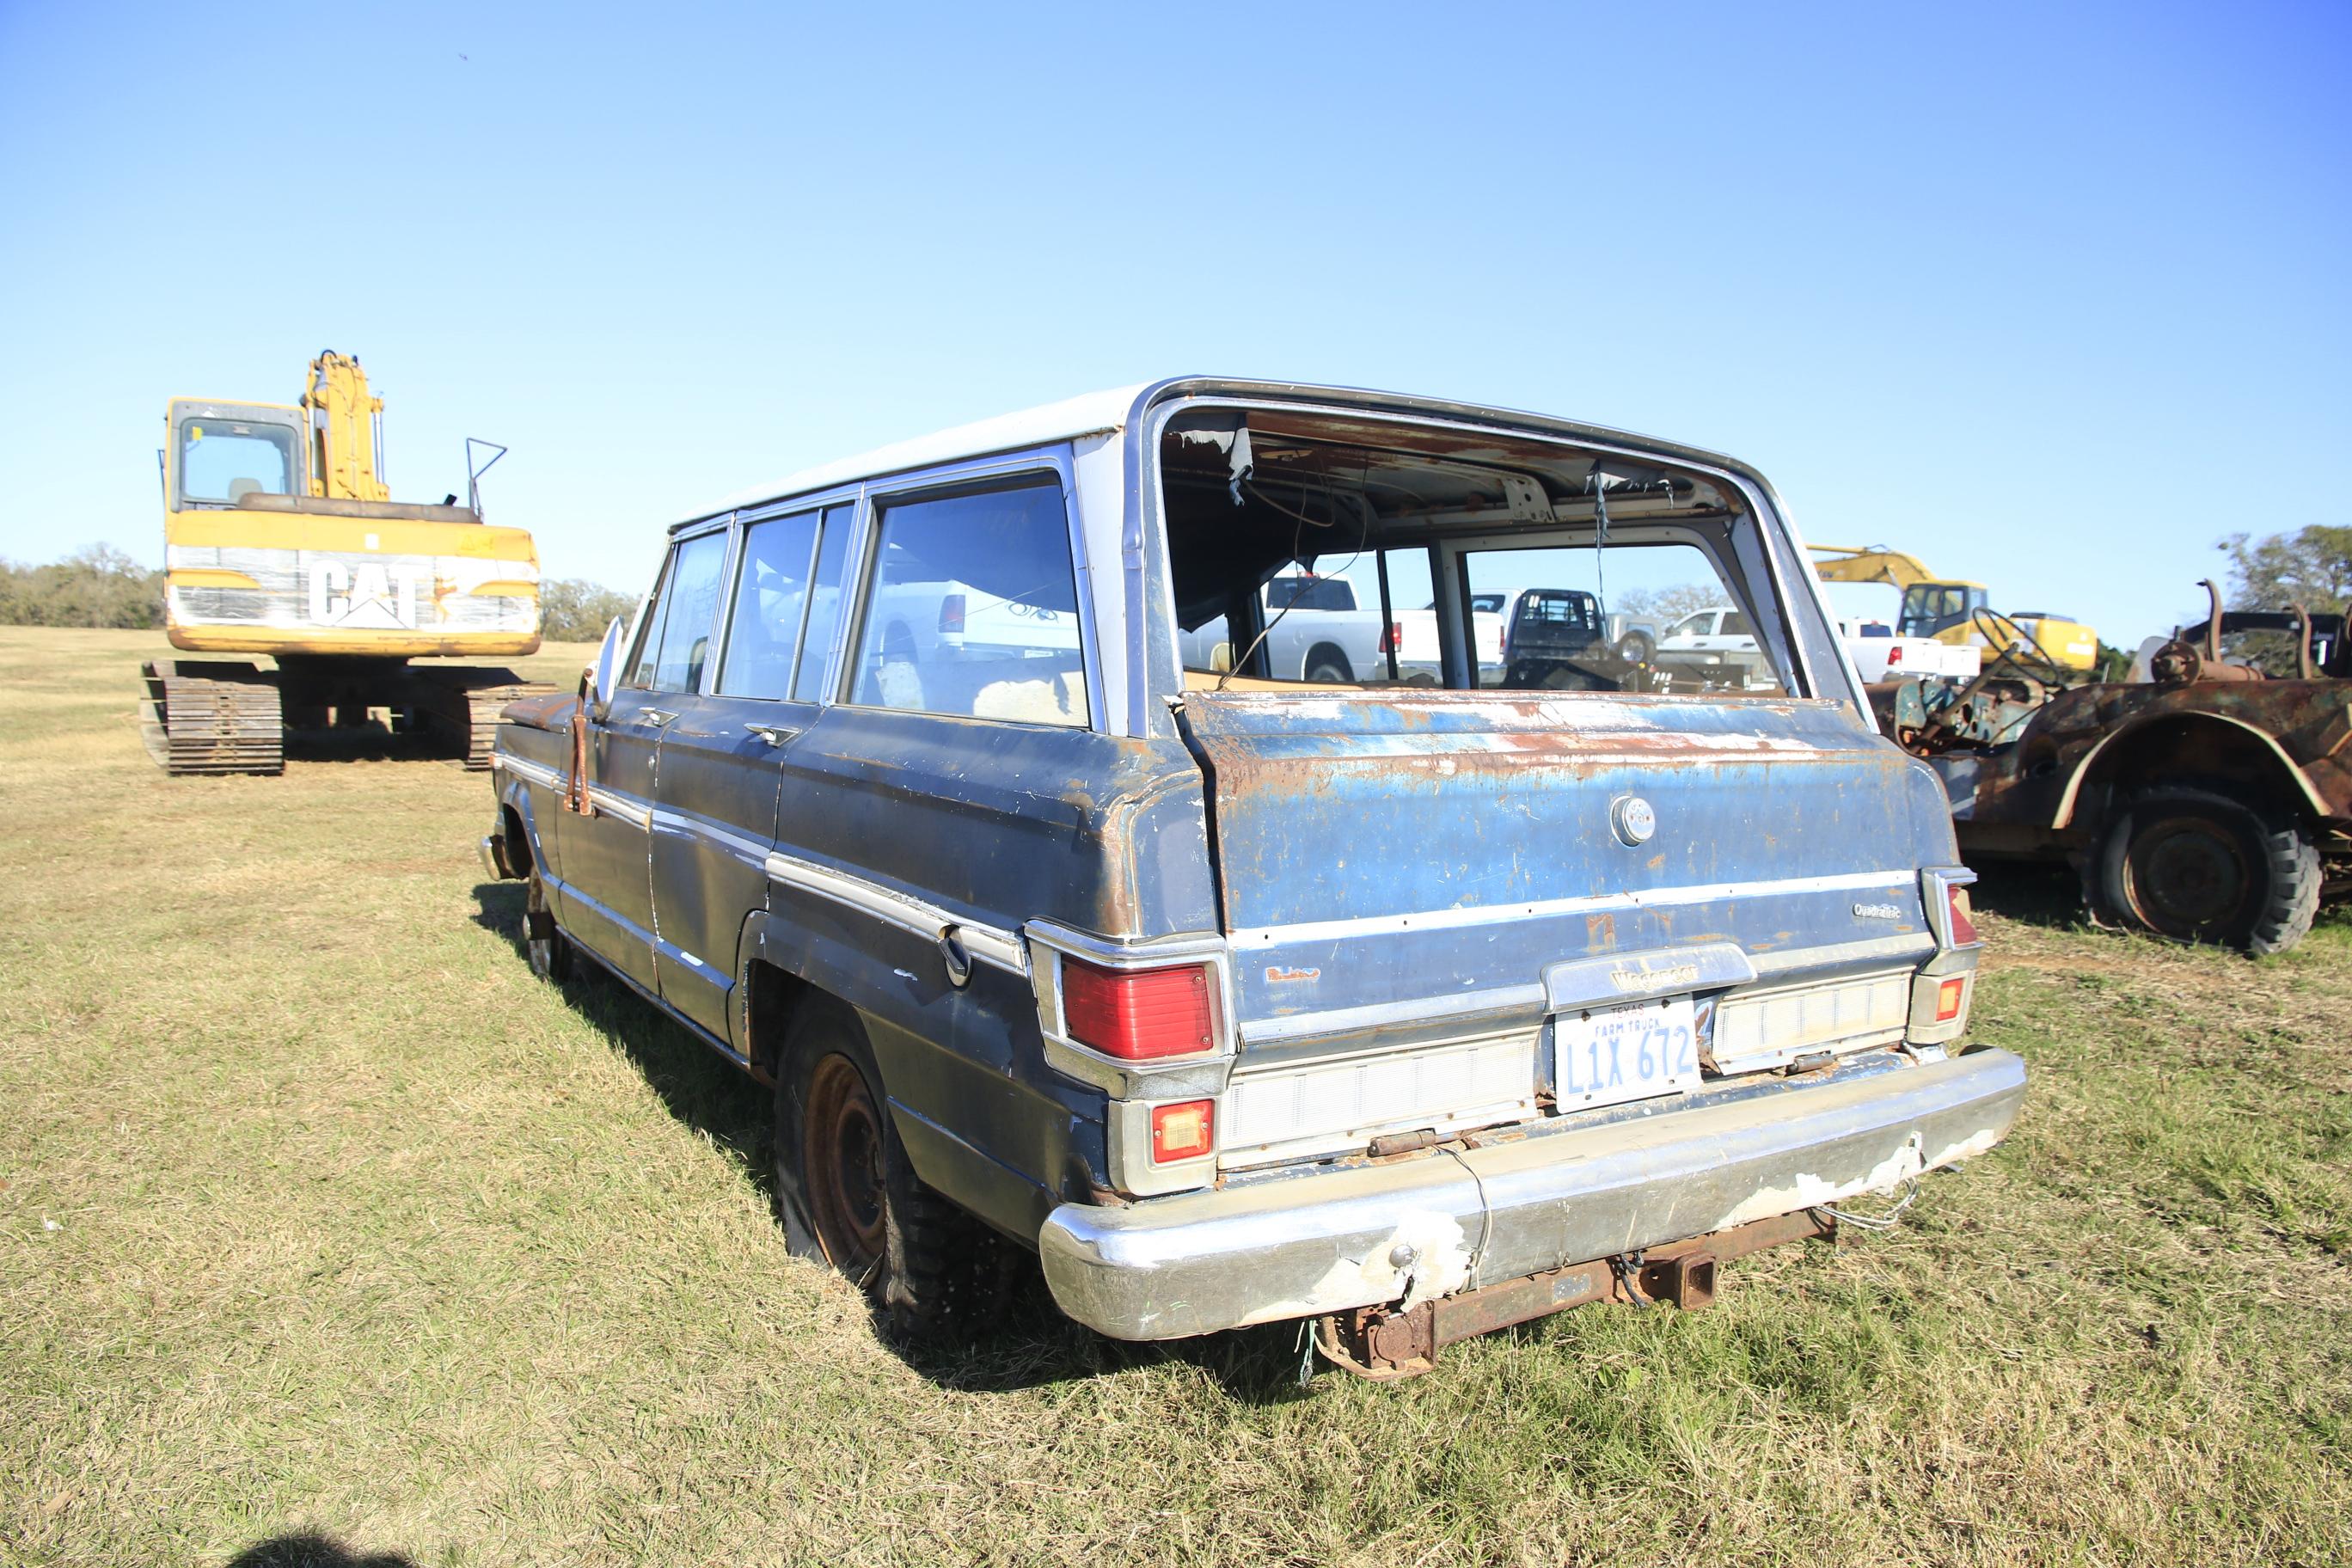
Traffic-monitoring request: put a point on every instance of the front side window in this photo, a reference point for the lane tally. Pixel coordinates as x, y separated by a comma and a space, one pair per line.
678, 641
764, 632
225, 459
974, 608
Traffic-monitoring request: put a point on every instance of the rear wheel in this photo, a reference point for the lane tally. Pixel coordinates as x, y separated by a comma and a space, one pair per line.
1636, 647
845, 1158
2198, 866
840, 1166
1329, 666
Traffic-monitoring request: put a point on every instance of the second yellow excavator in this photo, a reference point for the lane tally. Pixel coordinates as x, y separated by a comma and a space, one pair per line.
1952, 611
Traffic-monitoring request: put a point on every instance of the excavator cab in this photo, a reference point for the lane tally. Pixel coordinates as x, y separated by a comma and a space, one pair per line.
222, 452
1929, 608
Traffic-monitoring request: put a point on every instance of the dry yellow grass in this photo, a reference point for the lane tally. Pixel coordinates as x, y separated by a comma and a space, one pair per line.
323, 1227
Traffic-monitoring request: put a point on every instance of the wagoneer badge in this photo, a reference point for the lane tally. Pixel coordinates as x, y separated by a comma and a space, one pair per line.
1631, 816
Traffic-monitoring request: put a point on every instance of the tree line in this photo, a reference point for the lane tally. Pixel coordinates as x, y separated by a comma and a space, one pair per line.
103, 587
2311, 566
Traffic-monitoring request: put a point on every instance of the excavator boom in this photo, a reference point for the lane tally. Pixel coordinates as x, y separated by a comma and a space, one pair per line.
1845, 564
344, 426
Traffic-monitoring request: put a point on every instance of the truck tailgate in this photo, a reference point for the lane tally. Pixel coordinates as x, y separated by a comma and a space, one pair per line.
1388, 862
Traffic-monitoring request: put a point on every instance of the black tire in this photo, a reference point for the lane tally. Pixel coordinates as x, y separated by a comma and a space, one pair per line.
1637, 647
844, 1179
2194, 864
1328, 664
543, 942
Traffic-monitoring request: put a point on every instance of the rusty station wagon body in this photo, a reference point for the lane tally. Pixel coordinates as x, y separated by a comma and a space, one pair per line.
1414, 1004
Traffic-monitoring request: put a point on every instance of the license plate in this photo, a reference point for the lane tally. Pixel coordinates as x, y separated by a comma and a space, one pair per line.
1601, 1055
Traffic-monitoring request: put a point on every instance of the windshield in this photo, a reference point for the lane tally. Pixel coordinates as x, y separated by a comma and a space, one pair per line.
222, 459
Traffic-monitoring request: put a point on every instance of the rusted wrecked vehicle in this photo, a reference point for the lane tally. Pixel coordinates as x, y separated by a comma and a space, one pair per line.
1403, 1010
2204, 803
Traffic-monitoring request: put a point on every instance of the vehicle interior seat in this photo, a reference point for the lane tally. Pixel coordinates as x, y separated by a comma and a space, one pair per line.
1211, 680
1026, 689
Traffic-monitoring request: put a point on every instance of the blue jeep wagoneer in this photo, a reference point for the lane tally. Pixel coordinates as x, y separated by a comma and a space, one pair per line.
951, 791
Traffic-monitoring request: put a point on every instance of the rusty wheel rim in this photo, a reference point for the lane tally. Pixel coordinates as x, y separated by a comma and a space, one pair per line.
2186, 876
540, 935
847, 1178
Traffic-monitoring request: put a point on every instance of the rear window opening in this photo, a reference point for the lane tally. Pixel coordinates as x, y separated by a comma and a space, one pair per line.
1319, 551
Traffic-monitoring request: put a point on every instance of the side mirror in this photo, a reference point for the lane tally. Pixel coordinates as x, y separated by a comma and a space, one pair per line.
608, 663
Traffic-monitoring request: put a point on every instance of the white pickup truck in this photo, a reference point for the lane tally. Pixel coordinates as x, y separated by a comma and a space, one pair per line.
1417, 636
1879, 655
1314, 632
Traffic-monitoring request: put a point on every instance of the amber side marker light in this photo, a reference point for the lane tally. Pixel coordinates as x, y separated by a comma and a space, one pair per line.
1183, 1132
1138, 1015
1948, 997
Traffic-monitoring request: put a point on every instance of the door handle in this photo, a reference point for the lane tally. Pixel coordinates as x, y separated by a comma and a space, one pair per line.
654, 716
775, 734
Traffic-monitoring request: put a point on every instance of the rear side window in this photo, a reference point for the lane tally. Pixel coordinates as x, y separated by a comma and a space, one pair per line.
1310, 594
764, 632
673, 650
974, 609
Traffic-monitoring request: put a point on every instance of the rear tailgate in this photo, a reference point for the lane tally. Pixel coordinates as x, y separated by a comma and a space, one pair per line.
1410, 866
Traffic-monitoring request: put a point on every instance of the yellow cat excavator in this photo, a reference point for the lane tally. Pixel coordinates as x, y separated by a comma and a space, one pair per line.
282, 540
1951, 611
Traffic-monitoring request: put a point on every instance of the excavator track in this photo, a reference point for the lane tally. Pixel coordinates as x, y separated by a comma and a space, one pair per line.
212, 718
463, 705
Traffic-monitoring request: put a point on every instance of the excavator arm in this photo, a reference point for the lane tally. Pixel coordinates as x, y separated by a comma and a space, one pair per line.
1843, 563
344, 430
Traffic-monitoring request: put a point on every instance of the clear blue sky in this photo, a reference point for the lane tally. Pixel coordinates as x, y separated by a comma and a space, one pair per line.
2051, 297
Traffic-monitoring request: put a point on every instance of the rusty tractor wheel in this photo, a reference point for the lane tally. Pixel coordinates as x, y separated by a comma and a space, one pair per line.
839, 1164
543, 941
2197, 865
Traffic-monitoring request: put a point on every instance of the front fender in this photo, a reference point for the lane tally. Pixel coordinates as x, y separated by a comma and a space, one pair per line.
2070, 799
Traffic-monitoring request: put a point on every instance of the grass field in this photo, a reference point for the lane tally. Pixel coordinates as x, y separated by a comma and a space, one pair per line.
328, 1234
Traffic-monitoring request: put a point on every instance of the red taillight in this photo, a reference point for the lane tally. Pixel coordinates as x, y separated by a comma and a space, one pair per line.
1894, 657
951, 612
1948, 997
1183, 1132
1393, 639
1138, 1015
1963, 928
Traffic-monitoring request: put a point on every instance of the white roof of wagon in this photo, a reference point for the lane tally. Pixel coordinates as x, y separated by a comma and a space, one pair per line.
1086, 415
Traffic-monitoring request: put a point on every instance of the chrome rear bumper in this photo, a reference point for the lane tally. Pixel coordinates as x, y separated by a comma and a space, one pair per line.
1419, 1228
